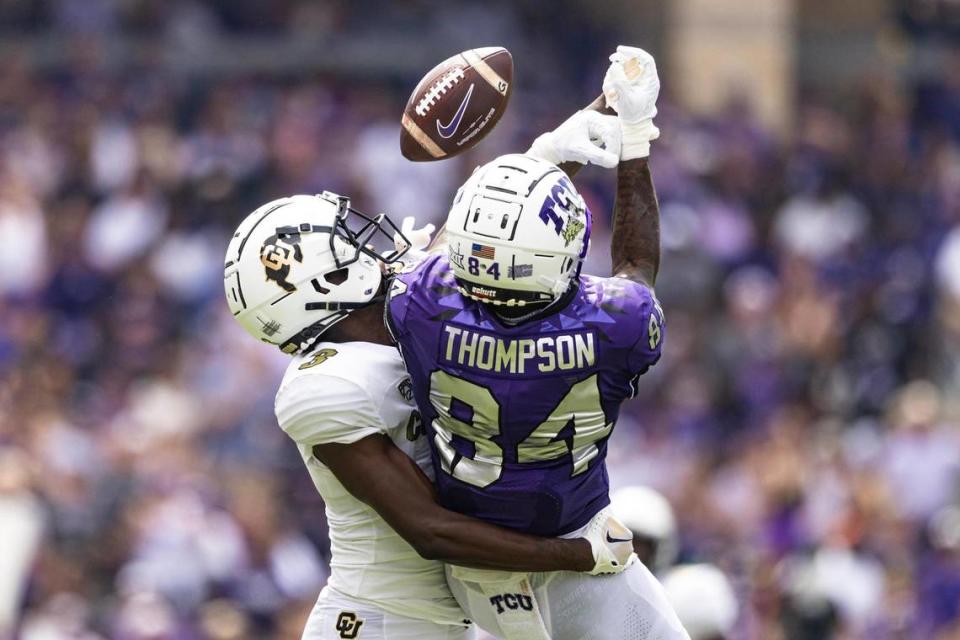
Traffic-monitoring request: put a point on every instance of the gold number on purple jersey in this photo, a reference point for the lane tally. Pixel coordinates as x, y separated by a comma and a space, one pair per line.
447, 391
580, 407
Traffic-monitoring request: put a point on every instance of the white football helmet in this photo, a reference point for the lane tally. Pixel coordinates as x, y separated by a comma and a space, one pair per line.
517, 232
294, 268
649, 516
703, 599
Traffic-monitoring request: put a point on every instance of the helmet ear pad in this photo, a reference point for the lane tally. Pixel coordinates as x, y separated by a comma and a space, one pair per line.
294, 269
518, 232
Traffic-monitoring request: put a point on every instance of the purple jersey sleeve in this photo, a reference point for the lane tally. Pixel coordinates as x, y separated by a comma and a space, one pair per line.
415, 291
642, 320
518, 417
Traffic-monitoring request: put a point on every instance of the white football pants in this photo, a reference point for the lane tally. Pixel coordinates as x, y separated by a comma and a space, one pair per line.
339, 617
577, 606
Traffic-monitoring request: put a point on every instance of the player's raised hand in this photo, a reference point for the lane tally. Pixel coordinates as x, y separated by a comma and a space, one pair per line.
418, 239
611, 541
586, 137
631, 86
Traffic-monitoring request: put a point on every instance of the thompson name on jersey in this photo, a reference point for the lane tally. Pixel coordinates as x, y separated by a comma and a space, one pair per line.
518, 417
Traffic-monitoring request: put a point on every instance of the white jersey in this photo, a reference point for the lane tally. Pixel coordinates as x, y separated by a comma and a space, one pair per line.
342, 393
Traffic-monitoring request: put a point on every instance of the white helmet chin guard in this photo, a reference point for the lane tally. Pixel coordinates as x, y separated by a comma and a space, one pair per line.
517, 232
294, 268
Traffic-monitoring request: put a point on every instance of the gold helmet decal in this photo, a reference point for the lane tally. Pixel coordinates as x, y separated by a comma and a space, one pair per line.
572, 230
278, 252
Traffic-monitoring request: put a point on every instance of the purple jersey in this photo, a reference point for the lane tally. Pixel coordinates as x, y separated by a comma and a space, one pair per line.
518, 417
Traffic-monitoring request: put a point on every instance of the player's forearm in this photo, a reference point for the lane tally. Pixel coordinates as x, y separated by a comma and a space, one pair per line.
375, 471
635, 249
457, 539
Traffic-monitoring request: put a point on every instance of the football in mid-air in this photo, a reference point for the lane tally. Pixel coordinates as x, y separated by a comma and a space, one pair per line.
456, 104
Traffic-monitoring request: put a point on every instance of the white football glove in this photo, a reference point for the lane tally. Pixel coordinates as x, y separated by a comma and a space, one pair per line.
631, 87
611, 541
587, 137
419, 238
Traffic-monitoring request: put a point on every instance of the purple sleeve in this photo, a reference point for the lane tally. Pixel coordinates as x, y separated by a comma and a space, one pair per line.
403, 294
650, 329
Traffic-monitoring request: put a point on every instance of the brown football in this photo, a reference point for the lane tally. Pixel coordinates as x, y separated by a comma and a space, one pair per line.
456, 104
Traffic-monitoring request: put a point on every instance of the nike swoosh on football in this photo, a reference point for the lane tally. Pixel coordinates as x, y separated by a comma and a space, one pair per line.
447, 130
609, 539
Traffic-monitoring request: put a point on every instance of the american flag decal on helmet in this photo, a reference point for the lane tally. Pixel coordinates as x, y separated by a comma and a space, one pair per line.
483, 251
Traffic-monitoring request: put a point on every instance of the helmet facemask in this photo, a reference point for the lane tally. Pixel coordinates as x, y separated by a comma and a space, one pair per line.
364, 238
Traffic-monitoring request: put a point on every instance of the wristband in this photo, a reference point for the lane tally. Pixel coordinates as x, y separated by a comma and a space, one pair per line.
636, 138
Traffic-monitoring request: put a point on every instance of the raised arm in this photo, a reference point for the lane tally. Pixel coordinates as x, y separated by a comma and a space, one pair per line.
375, 471
631, 87
635, 248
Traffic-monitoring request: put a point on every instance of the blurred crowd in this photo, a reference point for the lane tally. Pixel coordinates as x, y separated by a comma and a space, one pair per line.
804, 422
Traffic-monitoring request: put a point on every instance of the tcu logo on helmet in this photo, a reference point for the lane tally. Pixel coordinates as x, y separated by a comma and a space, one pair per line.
560, 198
277, 254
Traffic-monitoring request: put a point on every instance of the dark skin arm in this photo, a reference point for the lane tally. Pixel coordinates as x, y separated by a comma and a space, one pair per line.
636, 216
635, 249
375, 471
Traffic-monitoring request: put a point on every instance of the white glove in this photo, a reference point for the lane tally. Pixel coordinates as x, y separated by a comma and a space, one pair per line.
587, 137
611, 541
631, 87
419, 238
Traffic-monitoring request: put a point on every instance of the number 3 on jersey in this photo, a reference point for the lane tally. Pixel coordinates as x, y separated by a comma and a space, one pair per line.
470, 411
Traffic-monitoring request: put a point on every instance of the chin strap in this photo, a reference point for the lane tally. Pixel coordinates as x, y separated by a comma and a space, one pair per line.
515, 320
343, 306
558, 286
559, 301
309, 335
313, 332
336, 306
501, 297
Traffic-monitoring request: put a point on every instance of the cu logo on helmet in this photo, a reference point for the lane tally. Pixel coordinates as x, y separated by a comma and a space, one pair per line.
277, 254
